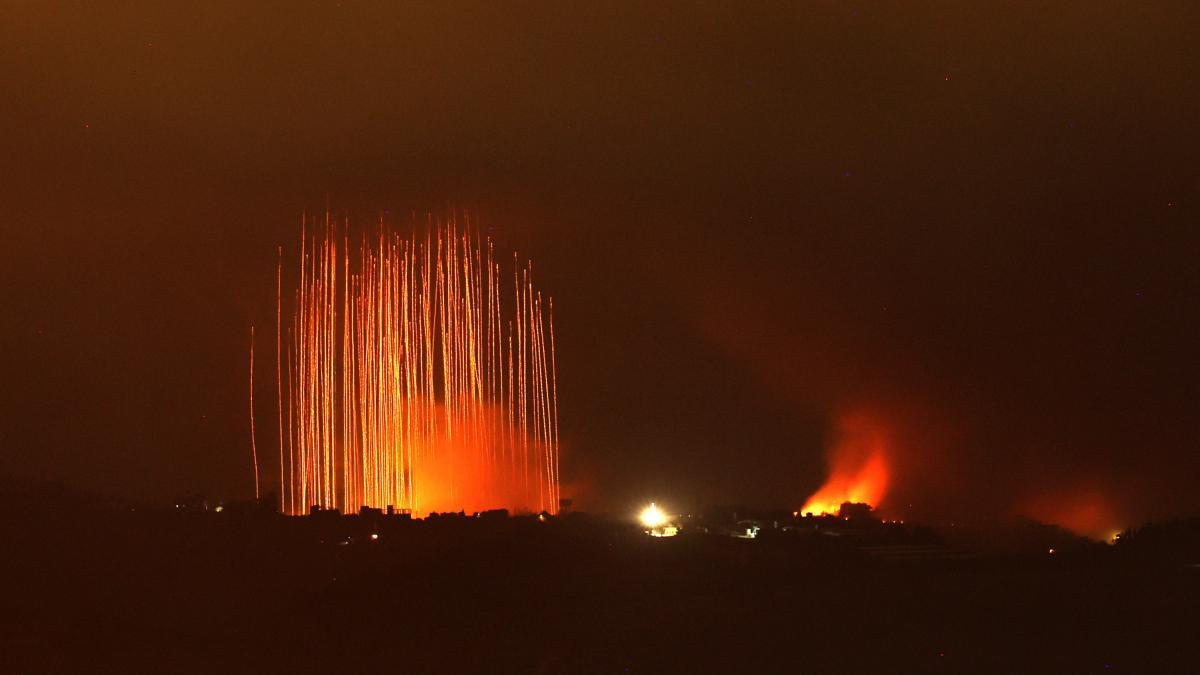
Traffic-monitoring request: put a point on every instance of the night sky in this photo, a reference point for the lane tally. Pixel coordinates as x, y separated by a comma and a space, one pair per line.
975, 227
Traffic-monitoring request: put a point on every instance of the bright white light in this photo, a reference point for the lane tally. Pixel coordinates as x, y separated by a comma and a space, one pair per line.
652, 516
374, 537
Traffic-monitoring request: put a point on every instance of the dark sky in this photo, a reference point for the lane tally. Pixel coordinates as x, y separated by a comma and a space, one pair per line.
974, 223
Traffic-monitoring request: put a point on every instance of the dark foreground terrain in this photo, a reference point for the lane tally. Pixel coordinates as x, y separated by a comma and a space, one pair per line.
155, 591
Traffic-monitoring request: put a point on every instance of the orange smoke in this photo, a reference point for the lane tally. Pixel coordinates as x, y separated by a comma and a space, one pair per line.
1085, 511
858, 467
468, 470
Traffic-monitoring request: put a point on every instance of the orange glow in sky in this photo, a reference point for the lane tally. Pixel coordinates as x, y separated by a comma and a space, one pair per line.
1083, 510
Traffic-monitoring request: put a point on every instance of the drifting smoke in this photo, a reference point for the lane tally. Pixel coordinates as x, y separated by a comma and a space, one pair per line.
1084, 510
414, 372
858, 467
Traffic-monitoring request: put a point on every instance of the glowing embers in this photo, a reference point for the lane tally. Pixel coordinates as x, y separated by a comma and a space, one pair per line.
858, 468
416, 374
656, 522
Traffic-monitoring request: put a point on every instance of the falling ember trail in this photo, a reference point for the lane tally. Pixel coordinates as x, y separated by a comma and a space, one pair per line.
278, 355
253, 448
414, 379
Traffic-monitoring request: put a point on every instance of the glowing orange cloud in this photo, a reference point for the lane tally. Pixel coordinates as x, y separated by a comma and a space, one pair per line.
858, 467
1083, 510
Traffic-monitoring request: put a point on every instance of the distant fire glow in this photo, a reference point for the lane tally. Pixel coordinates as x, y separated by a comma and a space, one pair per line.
858, 468
1084, 510
416, 373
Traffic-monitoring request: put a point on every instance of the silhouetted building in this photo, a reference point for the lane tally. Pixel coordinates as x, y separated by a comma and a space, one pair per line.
318, 511
493, 514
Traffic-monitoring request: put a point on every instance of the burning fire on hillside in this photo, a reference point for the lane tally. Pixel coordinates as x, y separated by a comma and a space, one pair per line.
858, 467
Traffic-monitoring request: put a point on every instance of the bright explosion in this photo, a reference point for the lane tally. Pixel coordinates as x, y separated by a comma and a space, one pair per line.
657, 522
652, 516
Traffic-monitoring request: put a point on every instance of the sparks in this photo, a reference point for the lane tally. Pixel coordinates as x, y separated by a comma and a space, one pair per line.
415, 377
